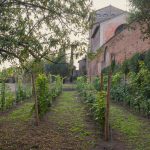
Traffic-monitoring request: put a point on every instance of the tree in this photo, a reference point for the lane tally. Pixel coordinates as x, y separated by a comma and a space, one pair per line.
61, 67
3, 77
141, 14
39, 29
36, 28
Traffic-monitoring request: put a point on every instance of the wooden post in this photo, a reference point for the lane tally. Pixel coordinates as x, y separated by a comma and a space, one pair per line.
107, 134
36, 100
3, 94
101, 82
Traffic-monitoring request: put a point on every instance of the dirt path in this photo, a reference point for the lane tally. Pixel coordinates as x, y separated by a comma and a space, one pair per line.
67, 126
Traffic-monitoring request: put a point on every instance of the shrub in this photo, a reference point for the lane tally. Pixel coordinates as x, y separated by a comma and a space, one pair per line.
10, 99
135, 90
147, 59
7, 98
95, 100
134, 62
98, 108
44, 99
20, 93
96, 83
56, 87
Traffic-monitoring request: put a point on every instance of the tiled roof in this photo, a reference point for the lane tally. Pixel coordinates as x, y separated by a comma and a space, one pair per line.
106, 13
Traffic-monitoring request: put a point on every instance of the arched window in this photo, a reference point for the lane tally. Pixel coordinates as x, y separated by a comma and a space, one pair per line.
106, 57
120, 28
105, 53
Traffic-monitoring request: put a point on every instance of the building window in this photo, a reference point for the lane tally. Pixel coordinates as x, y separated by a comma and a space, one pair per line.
95, 31
105, 53
105, 15
120, 28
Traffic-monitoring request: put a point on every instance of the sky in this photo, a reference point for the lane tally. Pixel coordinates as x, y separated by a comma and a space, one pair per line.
122, 4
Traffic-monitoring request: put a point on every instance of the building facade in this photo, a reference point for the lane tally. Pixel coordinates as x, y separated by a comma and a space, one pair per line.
111, 37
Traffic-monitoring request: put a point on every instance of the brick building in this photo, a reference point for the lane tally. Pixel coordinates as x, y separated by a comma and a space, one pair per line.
111, 37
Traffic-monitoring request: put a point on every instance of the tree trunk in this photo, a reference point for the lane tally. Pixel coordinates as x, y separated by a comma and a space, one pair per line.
36, 100
107, 134
3, 95
71, 65
15, 89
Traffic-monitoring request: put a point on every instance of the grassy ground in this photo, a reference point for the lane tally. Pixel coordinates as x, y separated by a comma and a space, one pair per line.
22, 113
65, 127
69, 85
68, 126
69, 116
136, 130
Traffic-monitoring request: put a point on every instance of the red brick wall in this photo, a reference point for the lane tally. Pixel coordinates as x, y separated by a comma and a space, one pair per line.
123, 45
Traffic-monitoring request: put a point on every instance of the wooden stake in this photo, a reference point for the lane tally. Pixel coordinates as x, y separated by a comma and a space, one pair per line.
107, 134
36, 100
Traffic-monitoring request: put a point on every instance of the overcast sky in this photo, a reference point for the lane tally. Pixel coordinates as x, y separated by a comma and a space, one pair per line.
122, 4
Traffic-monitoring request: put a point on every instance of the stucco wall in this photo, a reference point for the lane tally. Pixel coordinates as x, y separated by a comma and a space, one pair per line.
108, 27
123, 45
95, 44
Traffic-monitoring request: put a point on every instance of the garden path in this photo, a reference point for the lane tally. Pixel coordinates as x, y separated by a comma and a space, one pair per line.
67, 126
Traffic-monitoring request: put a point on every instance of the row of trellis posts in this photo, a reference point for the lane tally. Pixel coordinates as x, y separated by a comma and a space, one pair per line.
22, 83
107, 107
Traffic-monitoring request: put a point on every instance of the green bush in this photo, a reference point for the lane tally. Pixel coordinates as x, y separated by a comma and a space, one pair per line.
94, 99
98, 108
96, 83
147, 59
20, 93
43, 96
134, 62
10, 100
135, 92
47, 91
56, 87
7, 98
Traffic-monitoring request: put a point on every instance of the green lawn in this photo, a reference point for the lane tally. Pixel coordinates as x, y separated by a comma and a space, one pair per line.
69, 115
135, 130
22, 113
69, 86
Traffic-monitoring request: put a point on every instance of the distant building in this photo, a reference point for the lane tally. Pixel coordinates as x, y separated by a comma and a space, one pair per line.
75, 74
82, 67
111, 37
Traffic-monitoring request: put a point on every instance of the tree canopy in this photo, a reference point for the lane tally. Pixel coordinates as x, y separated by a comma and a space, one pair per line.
61, 68
37, 28
141, 14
